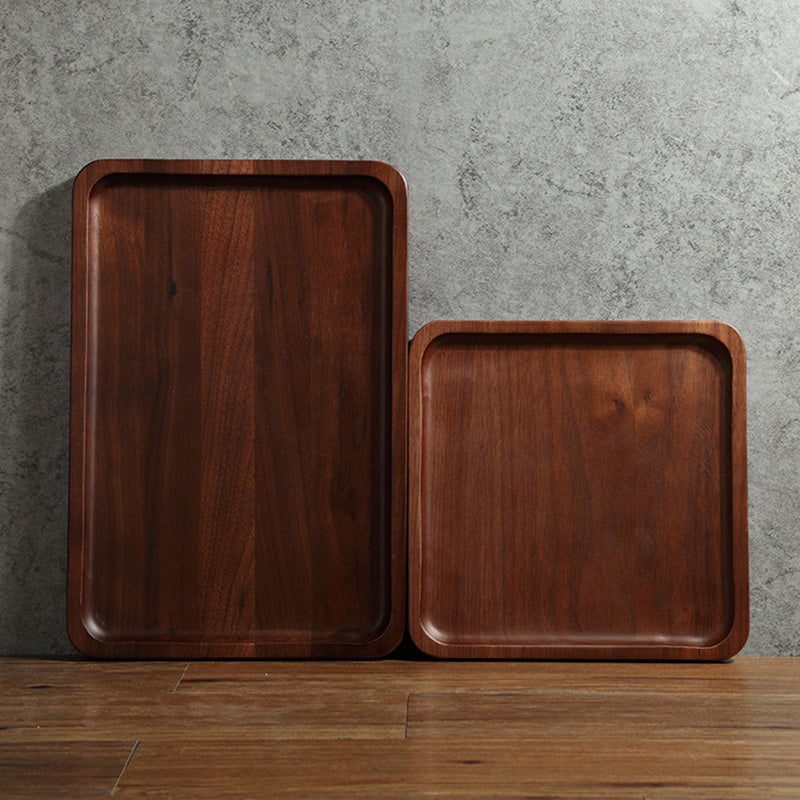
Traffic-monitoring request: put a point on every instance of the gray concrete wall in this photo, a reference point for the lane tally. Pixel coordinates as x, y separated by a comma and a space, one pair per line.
565, 159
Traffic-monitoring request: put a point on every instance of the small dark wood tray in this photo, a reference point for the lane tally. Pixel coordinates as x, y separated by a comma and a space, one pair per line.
238, 434
578, 490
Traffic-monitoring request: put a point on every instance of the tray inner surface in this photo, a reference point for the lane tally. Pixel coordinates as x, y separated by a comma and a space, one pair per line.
238, 414
576, 488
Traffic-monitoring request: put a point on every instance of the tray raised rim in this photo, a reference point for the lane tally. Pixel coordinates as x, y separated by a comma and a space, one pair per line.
85, 181
735, 638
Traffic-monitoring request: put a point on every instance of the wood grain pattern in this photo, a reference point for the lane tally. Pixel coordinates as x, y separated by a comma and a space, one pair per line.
238, 409
401, 729
755, 677
628, 770
653, 715
578, 490
61, 769
42, 715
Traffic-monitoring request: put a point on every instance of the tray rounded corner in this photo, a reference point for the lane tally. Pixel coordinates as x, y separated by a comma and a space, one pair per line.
734, 640
425, 336
389, 175
423, 641
389, 639
428, 639
93, 172
729, 338
82, 639
95, 167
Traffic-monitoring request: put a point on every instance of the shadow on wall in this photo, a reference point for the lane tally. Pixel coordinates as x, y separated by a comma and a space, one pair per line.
34, 356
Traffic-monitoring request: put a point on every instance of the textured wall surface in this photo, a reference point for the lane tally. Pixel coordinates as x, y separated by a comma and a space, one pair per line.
565, 159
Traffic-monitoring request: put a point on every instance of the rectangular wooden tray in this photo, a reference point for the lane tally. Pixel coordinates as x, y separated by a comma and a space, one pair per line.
578, 490
238, 433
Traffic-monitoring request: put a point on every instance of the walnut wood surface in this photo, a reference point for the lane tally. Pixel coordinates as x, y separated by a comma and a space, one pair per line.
578, 490
238, 409
400, 729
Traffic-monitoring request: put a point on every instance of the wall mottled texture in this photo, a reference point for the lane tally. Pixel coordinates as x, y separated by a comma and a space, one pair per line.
565, 159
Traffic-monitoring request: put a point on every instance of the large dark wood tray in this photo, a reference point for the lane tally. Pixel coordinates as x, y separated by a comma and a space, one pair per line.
578, 490
238, 434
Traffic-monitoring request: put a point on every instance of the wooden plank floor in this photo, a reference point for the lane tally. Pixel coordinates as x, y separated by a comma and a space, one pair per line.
399, 729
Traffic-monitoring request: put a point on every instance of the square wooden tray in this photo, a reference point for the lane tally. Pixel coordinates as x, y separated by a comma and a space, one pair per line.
238, 434
578, 490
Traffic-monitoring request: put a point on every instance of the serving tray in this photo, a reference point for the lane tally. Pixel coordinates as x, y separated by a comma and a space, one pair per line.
578, 490
238, 433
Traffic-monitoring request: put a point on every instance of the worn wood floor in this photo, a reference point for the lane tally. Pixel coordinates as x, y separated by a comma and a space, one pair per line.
397, 729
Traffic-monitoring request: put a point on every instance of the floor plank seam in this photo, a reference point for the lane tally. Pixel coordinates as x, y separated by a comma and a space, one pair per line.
125, 766
183, 675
